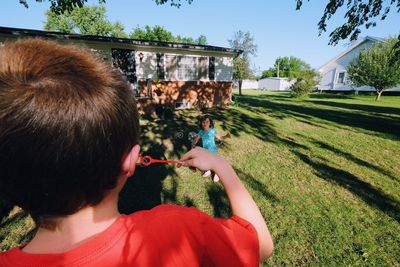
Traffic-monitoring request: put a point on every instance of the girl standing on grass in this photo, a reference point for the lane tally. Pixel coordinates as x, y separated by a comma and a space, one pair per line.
208, 134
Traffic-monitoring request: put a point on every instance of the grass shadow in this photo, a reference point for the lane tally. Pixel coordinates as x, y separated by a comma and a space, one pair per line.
236, 123
160, 139
219, 201
356, 160
5, 209
366, 192
359, 107
256, 185
383, 126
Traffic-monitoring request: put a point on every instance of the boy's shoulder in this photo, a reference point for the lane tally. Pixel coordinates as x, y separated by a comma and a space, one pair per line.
165, 213
156, 234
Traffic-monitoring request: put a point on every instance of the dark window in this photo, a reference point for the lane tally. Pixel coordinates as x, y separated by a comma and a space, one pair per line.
341, 77
124, 61
160, 66
211, 69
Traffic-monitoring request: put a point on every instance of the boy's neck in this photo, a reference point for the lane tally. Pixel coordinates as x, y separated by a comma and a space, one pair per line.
75, 229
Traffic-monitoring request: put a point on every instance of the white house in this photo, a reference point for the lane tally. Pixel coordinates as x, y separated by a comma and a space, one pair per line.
275, 84
334, 76
246, 84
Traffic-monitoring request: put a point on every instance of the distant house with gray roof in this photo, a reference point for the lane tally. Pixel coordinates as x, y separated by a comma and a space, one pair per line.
334, 76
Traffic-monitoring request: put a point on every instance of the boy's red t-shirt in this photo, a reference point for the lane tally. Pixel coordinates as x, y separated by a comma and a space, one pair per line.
166, 235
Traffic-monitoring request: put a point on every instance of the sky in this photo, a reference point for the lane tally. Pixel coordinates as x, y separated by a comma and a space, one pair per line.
278, 29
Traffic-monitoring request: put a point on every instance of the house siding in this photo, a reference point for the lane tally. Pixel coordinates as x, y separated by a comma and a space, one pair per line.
330, 72
201, 94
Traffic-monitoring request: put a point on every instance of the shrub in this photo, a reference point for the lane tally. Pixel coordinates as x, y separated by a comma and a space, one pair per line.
305, 83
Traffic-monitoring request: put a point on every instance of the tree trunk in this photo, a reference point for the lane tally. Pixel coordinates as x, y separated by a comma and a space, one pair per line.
378, 95
240, 86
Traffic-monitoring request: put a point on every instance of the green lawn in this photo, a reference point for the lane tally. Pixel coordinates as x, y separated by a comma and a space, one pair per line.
325, 172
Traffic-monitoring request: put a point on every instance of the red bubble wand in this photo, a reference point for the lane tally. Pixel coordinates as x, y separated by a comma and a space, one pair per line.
147, 160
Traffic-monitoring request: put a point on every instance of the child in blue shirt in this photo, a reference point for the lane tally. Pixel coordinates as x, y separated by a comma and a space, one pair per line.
208, 134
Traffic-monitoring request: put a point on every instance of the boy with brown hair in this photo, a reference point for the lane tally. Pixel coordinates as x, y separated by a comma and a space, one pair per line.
69, 135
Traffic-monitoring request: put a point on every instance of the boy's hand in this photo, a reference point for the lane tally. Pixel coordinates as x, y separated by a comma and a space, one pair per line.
202, 159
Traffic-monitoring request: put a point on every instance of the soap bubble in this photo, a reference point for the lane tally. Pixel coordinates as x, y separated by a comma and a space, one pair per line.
192, 136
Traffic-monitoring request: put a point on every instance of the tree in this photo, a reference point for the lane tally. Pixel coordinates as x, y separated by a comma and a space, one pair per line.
61, 6
306, 80
89, 20
159, 33
359, 13
396, 52
286, 67
373, 67
241, 65
202, 40
245, 42
271, 72
240, 71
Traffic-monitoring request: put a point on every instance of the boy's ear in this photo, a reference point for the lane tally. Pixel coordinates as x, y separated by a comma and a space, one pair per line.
129, 161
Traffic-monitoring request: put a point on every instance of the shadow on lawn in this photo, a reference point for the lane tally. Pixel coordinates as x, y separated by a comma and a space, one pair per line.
5, 209
220, 201
256, 185
356, 160
359, 107
12, 224
365, 191
160, 139
236, 123
383, 126
370, 195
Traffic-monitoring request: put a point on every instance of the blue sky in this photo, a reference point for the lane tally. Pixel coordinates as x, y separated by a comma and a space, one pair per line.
278, 29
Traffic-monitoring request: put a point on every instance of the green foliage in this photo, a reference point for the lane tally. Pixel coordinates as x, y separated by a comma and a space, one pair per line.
271, 72
202, 40
175, 3
396, 52
88, 20
358, 13
241, 69
159, 33
288, 67
305, 83
374, 67
62, 6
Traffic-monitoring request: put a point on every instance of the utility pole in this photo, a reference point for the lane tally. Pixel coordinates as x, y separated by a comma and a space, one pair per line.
278, 70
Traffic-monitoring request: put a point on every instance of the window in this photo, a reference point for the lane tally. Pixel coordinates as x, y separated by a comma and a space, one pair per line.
211, 69
160, 66
203, 68
341, 77
223, 69
185, 68
124, 61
